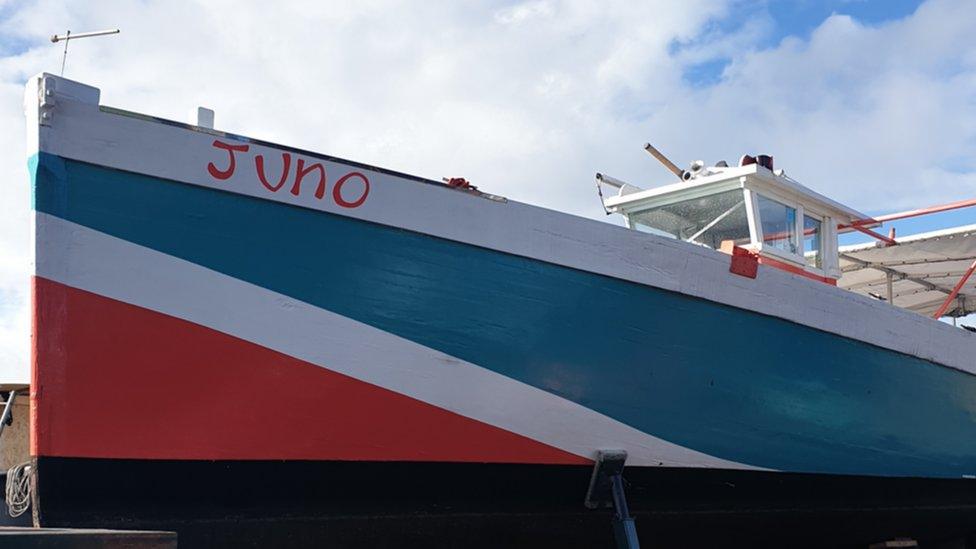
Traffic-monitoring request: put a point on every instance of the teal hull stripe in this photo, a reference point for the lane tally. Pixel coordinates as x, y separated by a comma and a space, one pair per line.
727, 382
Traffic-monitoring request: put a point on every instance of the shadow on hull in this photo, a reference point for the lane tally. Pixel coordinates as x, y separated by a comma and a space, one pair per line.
350, 504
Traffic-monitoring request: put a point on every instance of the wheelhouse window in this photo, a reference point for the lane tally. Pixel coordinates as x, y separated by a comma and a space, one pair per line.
812, 241
708, 220
778, 225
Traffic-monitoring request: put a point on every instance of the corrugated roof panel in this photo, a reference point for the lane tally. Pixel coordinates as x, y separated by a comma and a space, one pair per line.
924, 267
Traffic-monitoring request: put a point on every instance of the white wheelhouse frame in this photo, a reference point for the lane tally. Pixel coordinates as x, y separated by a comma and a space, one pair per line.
755, 181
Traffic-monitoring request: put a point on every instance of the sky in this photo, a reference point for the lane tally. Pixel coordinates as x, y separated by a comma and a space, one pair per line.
870, 102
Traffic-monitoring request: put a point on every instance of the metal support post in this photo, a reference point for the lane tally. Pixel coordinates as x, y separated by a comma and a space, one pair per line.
624, 529
607, 490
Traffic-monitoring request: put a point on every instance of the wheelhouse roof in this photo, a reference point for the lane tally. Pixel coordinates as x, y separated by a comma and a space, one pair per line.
724, 178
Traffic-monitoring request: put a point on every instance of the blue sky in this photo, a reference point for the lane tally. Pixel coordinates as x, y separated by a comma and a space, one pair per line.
793, 19
800, 17
872, 103
796, 20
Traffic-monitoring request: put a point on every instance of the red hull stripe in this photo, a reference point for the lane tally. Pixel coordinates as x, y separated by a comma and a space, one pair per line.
116, 380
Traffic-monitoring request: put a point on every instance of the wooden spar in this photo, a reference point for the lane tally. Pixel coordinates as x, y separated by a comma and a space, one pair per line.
663, 160
955, 291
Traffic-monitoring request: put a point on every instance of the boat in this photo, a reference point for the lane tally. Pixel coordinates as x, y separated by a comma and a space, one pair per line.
252, 343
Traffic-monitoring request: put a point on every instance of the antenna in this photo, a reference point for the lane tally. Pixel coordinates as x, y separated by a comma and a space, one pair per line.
66, 37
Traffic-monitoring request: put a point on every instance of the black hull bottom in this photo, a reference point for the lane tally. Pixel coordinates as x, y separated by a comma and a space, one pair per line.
341, 504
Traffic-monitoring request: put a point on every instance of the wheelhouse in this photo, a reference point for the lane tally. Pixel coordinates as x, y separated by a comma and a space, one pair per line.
749, 206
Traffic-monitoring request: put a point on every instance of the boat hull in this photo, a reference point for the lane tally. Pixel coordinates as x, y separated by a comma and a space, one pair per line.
228, 331
375, 343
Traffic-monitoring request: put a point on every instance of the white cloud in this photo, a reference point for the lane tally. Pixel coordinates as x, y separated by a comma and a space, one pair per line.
525, 99
526, 11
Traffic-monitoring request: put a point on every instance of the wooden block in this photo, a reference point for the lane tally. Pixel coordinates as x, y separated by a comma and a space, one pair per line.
80, 538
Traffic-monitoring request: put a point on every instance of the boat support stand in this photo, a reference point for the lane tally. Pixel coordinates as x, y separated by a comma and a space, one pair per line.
607, 490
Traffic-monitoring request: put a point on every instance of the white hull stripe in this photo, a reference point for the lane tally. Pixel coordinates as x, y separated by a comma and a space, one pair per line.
93, 261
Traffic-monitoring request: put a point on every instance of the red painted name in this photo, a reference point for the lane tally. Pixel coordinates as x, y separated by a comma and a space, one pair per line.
312, 174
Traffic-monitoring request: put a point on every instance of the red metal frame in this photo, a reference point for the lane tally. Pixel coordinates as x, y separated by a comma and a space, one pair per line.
859, 224
745, 262
955, 291
923, 211
886, 239
784, 266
